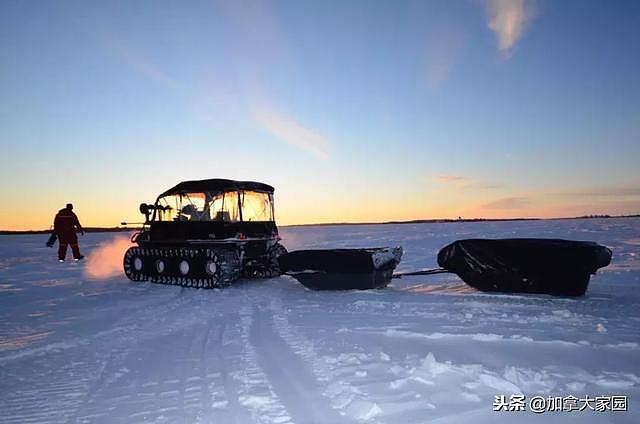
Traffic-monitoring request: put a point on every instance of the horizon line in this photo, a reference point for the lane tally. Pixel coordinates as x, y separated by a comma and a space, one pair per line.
412, 221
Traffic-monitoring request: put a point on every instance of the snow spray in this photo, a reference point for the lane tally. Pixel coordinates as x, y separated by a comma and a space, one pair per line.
105, 261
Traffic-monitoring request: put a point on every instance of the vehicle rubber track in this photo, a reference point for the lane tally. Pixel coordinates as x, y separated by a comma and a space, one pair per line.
201, 267
268, 267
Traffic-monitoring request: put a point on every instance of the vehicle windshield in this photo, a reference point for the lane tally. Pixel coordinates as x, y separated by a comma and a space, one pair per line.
230, 206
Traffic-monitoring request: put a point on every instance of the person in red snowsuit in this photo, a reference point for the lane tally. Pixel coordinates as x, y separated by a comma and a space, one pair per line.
65, 225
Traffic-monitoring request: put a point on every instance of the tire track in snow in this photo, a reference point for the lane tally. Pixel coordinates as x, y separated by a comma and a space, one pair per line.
130, 399
290, 377
132, 324
187, 410
256, 393
230, 411
335, 374
205, 394
175, 379
51, 402
76, 381
94, 388
176, 388
221, 405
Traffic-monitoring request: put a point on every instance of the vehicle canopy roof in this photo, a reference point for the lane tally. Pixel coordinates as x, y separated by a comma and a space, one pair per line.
216, 185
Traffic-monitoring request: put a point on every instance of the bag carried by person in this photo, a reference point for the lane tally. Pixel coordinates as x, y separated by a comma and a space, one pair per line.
52, 239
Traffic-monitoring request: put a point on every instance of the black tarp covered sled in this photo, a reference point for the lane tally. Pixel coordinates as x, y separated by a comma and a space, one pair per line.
527, 265
341, 269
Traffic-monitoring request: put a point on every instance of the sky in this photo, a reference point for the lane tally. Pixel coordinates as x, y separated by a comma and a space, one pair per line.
354, 111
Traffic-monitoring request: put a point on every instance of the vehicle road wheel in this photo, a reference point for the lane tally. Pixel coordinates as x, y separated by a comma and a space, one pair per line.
133, 264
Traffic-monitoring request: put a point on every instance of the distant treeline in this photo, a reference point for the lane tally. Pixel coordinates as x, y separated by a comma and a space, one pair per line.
414, 221
444, 220
602, 216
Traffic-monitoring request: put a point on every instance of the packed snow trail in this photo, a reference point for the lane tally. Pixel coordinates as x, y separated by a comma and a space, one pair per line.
76, 349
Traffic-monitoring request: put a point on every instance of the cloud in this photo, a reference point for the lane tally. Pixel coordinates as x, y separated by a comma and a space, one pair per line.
508, 203
444, 45
489, 186
213, 109
508, 19
291, 132
448, 178
212, 95
465, 183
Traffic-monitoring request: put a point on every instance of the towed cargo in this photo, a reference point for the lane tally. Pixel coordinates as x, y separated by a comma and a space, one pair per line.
525, 265
342, 269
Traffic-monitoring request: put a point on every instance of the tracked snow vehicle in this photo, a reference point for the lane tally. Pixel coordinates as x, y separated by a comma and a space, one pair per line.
207, 234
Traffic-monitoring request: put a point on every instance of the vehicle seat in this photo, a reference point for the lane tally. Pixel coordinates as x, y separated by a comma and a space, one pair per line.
223, 216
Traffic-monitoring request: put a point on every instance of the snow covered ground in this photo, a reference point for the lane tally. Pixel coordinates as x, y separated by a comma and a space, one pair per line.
80, 343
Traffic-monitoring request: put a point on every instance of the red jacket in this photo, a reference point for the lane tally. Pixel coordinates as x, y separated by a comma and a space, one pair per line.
65, 224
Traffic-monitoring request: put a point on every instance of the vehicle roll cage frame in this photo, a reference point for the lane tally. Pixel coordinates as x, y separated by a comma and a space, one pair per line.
151, 211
